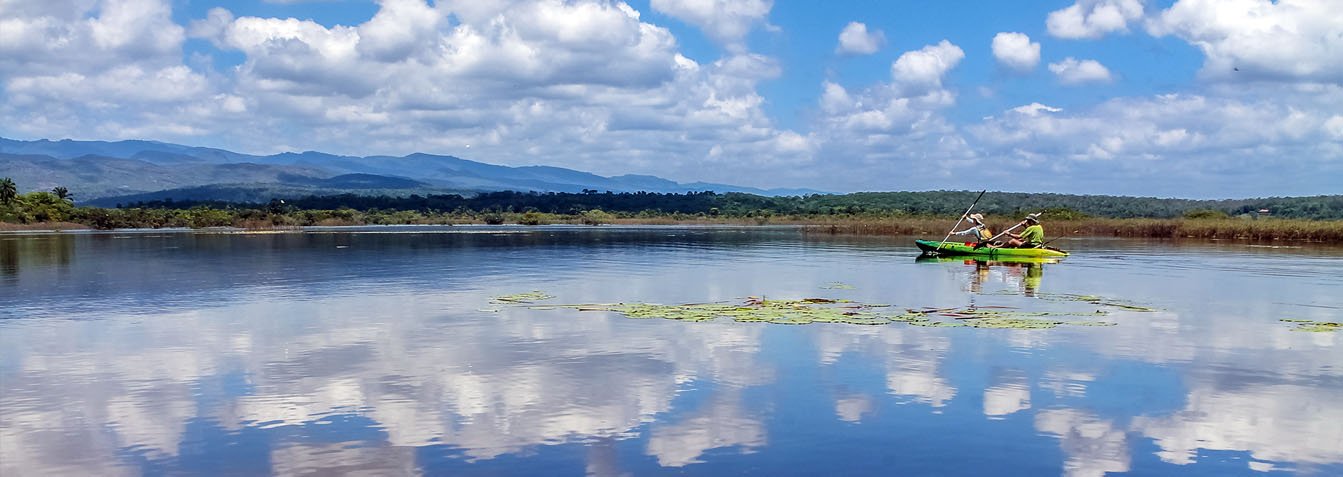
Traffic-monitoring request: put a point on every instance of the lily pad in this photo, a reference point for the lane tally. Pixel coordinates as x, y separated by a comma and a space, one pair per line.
1314, 326
529, 297
758, 309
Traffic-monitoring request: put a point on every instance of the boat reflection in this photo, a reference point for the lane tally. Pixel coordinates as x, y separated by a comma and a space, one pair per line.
1025, 273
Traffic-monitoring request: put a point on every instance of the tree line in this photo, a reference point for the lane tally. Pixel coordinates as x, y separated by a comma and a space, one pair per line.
591, 206
736, 204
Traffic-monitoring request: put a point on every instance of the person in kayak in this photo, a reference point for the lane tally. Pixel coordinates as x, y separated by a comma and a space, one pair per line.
979, 230
1032, 237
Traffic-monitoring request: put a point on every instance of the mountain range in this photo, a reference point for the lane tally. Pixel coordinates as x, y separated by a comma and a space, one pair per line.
107, 173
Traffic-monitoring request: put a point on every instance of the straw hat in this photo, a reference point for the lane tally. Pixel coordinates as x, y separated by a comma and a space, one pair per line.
977, 217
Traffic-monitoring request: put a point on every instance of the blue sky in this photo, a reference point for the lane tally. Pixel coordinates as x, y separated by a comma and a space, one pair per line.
1173, 98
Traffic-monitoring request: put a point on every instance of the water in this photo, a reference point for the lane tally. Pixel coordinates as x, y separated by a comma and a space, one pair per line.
379, 351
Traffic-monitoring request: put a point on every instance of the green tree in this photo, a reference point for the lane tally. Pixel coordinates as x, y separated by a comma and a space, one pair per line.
63, 194
8, 191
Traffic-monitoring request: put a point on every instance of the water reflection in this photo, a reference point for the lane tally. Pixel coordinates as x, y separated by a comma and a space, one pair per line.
1093, 446
316, 370
1023, 274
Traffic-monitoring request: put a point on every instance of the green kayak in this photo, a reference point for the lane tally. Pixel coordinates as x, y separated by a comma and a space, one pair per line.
968, 249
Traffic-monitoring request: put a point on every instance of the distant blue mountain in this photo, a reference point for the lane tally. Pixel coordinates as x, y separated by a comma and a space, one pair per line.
103, 172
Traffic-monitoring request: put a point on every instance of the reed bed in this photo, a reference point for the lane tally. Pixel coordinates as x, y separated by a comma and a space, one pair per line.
1325, 231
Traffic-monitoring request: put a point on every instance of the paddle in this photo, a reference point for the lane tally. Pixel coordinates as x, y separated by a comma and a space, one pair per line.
982, 243
963, 216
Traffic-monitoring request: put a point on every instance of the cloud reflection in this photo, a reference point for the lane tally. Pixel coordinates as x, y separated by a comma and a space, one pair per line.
488, 387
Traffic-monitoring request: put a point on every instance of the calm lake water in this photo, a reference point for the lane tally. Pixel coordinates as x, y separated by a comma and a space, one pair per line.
381, 351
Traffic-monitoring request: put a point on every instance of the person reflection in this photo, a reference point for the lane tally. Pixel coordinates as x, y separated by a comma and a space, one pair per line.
1026, 275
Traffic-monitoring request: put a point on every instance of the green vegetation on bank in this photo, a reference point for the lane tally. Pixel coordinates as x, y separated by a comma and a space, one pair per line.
886, 204
1317, 218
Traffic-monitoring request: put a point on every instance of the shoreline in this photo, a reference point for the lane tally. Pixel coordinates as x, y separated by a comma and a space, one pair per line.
1263, 230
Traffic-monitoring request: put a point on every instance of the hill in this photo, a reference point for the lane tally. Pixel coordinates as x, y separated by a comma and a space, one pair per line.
106, 173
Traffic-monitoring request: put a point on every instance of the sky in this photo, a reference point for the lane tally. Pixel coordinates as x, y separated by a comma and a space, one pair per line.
1173, 98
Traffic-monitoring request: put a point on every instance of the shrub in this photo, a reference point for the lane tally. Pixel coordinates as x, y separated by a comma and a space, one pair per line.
596, 217
1206, 214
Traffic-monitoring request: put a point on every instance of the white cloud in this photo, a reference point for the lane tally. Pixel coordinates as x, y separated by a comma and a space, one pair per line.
1035, 109
1257, 39
1170, 141
1016, 51
1072, 71
924, 68
726, 21
856, 40
1093, 18
1334, 126
896, 126
43, 38
398, 29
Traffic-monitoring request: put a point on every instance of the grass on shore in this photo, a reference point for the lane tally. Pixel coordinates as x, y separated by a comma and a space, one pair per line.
1330, 231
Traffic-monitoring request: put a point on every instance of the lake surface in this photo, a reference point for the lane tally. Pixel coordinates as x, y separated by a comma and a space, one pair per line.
383, 351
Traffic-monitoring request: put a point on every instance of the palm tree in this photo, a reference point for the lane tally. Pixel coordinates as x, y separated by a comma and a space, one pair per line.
63, 194
8, 191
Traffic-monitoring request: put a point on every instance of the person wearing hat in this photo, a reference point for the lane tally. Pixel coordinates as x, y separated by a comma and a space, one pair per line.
1033, 236
978, 229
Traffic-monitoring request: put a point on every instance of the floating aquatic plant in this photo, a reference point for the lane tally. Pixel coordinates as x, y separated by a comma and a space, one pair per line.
754, 309
529, 297
823, 310
1314, 326
837, 286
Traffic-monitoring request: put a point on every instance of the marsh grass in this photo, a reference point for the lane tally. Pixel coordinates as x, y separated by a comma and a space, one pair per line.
1330, 231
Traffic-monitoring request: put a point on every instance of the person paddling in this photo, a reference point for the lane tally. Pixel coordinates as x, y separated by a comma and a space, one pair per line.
1032, 237
979, 230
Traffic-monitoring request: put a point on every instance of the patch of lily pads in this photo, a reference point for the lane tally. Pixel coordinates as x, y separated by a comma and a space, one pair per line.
837, 286
823, 310
1314, 326
523, 298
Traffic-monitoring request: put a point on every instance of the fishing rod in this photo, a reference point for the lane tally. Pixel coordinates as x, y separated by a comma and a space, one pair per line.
963, 216
1042, 245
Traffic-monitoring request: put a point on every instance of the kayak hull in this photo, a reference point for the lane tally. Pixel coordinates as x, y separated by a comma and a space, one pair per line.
968, 249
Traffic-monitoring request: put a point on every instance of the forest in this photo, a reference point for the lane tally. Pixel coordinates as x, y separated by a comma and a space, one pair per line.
735, 204
1318, 218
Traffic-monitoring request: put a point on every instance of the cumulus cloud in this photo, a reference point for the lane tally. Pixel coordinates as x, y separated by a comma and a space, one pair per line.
888, 132
1170, 141
1072, 71
1258, 39
856, 40
1016, 51
924, 68
1093, 18
86, 36
726, 21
